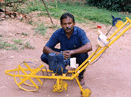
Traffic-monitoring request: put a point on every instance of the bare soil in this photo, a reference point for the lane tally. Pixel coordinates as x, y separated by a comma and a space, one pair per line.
110, 76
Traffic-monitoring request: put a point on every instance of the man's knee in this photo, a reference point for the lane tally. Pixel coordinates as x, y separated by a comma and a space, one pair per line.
82, 57
44, 58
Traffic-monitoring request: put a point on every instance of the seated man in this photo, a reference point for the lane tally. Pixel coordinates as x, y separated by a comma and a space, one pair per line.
73, 42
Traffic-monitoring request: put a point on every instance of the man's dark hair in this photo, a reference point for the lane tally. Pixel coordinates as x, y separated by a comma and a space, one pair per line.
65, 15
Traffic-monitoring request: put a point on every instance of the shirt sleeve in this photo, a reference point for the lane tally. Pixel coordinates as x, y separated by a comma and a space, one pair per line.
83, 37
53, 40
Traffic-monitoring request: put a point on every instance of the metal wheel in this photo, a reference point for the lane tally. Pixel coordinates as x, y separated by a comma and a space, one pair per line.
29, 67
86, 92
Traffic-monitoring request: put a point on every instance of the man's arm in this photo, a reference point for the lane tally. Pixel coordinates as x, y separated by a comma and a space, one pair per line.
48, 50
84, 49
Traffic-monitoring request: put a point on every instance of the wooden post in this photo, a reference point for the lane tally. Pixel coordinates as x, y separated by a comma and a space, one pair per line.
47, 11
5, 7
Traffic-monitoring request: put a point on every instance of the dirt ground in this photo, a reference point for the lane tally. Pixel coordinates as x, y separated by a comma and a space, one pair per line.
110, 76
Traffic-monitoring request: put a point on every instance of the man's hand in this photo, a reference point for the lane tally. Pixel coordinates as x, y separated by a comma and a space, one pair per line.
67, 54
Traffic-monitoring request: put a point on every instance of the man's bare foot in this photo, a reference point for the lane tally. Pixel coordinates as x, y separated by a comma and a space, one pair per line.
83, 84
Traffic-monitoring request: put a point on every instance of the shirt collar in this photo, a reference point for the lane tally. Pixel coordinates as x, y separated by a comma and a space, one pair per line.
74, 31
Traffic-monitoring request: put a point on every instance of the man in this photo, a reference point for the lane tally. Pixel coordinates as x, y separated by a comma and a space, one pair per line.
73, 42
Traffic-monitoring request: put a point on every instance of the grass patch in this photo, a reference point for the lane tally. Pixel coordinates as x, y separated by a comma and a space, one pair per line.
41, 29
7, 46
27, 45
25, 34
55, 27
18, 41
17, 44
81, 13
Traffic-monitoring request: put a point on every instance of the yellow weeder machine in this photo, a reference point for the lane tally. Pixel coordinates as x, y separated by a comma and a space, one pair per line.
30, 74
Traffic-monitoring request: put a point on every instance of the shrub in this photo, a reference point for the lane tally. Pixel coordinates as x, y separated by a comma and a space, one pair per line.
114, 5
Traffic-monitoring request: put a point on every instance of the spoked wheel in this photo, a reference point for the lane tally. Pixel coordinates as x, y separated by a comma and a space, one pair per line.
60, 87
25, 71
86, 92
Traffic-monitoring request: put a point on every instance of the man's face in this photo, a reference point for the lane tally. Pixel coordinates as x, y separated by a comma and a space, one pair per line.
67, 25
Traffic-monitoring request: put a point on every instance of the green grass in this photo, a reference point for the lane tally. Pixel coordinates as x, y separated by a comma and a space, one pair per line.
25, 34
16, 44
55, 27
7, 46
27, 45
41, 29
18, 41
81, 13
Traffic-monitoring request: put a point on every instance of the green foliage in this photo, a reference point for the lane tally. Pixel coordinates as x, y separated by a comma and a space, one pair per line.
27, 45
55, 27
30, 22
7, 46
16, 44
79, 10
41, 29
41, 14
12, 4
83, 13
33, 5
18, 41
117, 5
25, 34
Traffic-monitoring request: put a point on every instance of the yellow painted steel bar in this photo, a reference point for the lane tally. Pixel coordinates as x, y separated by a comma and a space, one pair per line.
128, 19
87, 59
22, 69
33, 83
79, 71
118, 30
27, 65
78, 82
37, 76
58, 83
39, 81
14, 70
118, 36
50, 77
26, 78
32, 70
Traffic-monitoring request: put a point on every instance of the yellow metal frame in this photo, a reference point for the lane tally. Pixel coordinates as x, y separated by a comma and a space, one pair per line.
60, 84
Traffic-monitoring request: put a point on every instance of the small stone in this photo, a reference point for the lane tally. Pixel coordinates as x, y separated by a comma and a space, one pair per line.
0, 35
12, 16
3, 87
22, 36
10, 35
11, 57
2, 14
